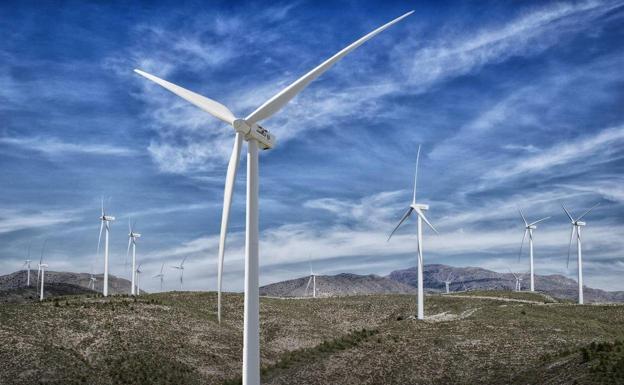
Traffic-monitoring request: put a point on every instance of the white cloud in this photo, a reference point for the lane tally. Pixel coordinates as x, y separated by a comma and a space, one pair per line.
16, 219
55, 147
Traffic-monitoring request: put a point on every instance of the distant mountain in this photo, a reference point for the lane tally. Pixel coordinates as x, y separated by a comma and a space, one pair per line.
336, 285
475, 278
18, 280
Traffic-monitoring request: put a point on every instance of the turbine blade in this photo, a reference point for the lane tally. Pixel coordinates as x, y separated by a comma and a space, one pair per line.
567, 212
127, 253
161, 268
424, 218
522, 243
538, 221
212, 107
587, 212
407, 214
228, 193
570, 245
416, 174
278, 101
522, 215
183, 259
102, 201
100, 237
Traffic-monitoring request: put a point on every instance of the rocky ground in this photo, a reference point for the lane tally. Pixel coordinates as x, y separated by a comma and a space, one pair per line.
173, 338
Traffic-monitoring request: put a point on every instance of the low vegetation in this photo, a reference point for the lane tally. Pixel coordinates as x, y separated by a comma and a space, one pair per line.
175, 338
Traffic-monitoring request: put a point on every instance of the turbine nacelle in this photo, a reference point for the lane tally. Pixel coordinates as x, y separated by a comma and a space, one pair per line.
579, 223
43, 265
107, 218
134, 235
531, 227
265, 139
420, 206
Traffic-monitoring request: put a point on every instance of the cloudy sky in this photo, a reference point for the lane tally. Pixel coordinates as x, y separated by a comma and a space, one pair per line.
515, 104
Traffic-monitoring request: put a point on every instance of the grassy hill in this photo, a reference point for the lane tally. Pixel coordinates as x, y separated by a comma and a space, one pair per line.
488, 338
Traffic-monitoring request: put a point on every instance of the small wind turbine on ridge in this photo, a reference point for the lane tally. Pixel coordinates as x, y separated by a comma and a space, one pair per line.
528, 229
105, 222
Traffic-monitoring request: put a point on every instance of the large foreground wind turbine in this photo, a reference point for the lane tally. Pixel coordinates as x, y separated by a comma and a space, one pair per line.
419, 208
104, 222
528, 229
132, 237
181, 268
576, 227
248, 129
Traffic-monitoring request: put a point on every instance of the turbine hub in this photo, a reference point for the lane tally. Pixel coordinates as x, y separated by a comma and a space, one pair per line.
420, 206
532, 227
579, 223
265, 139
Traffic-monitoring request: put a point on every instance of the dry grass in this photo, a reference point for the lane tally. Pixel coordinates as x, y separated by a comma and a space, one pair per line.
174, 338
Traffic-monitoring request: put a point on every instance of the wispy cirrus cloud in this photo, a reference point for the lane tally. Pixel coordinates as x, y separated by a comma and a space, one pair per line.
21, 219
55, 147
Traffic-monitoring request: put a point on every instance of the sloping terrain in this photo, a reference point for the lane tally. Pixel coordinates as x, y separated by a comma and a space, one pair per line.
18, 279
475, 278
336, 285
30, 293
174, 338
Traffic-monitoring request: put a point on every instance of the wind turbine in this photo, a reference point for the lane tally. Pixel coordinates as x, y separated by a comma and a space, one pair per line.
104, 222
42, 266
132, 237
518, 280
576, 227
528, 229
40, 261
448, 282
138, 273
161, 276
181, 268
313, 281
92, 280
420, 209
249, 130
27, 265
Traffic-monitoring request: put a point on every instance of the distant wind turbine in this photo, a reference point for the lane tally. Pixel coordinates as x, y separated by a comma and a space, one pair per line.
42, 266
132, 237
181, 268
576, 227
518, 278
138, 280
256, 135
313, 281
161, 276
92, 281
420, 209
40, 262
528, 229
27, 265
104, 222
448, 282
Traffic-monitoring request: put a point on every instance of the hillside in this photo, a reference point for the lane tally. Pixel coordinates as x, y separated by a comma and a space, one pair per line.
173, 338
475, 278
337, 285
26, 294
17, 279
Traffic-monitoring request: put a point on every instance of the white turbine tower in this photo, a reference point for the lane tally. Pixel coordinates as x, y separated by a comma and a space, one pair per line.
132, 237
181, 268
161, 276
312, 280
104, 222
576, 227
138, 280
420, 211
248, 129
528, 229
448, 282
27, 265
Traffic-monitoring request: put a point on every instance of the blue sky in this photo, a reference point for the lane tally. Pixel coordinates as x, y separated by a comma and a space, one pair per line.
514, 103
